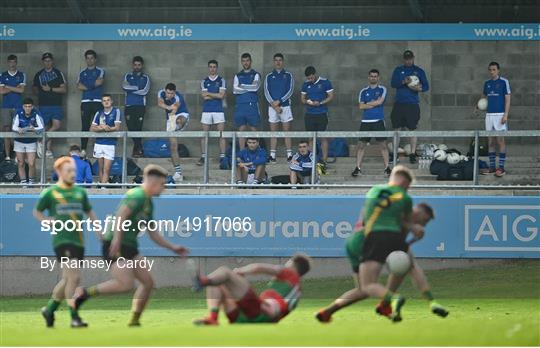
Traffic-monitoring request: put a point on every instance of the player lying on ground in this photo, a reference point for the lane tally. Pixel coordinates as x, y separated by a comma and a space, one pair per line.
422, 214
136, 206
230, 290
65, 201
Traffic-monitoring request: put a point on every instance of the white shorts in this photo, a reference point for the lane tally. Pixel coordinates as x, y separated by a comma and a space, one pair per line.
104, 151
212, 117
172, 125
285, 116
493, 122
24, 147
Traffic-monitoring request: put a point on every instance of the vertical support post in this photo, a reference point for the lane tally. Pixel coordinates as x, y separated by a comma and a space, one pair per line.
476, 151
43, 158
206, 165
124, 158
233, 160
395, 147
314, 167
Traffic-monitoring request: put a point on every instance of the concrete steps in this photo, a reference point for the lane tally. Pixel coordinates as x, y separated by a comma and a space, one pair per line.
522, 170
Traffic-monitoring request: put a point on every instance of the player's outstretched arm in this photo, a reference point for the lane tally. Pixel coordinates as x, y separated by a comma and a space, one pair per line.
259, 268
162, 242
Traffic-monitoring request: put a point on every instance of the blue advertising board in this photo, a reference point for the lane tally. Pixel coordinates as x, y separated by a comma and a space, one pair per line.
235, 225
271, 32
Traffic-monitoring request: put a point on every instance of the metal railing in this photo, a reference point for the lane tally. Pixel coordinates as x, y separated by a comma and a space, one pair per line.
233, 135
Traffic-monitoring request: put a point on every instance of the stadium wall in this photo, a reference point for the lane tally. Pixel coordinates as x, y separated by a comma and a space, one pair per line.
456, 70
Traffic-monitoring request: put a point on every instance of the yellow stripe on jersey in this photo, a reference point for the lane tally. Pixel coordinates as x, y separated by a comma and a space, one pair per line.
61, 199
378, 210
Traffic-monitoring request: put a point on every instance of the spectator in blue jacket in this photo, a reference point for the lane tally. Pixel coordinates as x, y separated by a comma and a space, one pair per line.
251, 163
408, 80
84, 171
301, 164
136, 84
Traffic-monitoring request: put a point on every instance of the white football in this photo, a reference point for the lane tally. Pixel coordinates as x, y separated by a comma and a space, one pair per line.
439, 155
414, 81
453, 158
407, 149
482, 104
398, 262
442, 147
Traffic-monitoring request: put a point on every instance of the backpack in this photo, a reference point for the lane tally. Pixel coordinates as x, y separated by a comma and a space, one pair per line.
437, 166
280, 179
157, 148
338, 148
9, 172
483, 148
458, 172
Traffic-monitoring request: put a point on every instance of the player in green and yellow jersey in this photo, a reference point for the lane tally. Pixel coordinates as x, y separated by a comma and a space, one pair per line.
65, 201
422, 214
137, 207
231, 290
387, 214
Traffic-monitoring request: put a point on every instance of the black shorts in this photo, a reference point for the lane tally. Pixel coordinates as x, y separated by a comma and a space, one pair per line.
372, 127
378, 245
405, 116
70, 251
316, 123
126, 251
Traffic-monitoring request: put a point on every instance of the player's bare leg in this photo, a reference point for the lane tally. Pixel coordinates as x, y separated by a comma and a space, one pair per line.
360, 149
384, 153
175, 159
242, 141
215, 298
106, 170
274, 127
346, 299
204, 155
73, 279
55, 126
287, 126
235, 284
142, 294
419, 279
260, 173
123, 281
369, 275
57, 296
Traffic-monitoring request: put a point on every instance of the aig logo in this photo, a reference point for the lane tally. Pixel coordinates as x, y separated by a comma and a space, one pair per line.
502, 228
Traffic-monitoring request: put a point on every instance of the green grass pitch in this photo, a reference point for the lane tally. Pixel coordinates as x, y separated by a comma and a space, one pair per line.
497, 305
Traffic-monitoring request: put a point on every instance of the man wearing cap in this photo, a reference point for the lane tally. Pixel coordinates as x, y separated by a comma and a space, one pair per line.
408, 80
50, 84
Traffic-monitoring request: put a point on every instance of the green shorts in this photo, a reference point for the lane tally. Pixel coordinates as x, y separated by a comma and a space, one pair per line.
353, 247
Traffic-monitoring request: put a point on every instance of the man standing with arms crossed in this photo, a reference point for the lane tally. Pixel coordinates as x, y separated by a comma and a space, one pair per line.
497, 92
12, 84
278, 89
90, 82
371, 100
136, 85
246, 84
406, 112
50, 85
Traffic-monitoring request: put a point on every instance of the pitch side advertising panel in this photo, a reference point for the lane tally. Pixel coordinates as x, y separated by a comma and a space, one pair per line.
235, 225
